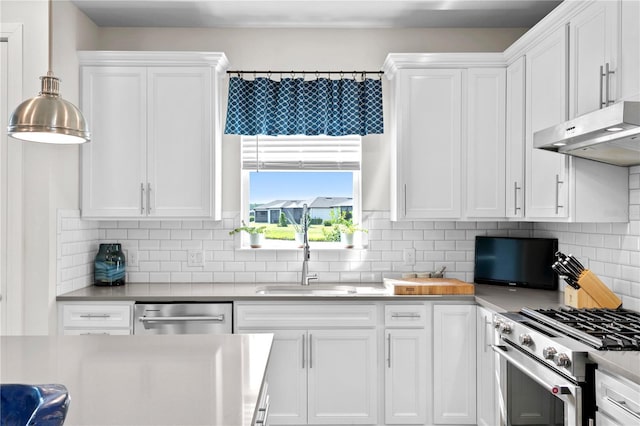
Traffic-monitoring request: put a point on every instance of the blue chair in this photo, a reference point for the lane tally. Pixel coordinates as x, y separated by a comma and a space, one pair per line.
41, 405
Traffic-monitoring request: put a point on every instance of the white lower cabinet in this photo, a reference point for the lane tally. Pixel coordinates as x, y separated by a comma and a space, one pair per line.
405, 365
487, 386
617, 399
323, 364
80, 318
454, 364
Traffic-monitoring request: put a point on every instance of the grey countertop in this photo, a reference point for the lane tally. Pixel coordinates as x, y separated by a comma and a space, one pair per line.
146, 380
496, 298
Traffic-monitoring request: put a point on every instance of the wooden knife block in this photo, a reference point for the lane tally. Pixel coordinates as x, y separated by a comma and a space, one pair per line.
593, 293
578, 298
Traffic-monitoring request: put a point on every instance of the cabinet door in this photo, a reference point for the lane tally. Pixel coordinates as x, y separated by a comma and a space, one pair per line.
342, 377
487, 405
405, 376
514, 182
287, 377
180, 141
485, 151
114, 162
546, 185
629, 57
454, 364
428, 142
593, 38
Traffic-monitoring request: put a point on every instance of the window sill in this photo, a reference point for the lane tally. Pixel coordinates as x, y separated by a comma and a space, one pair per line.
290, 246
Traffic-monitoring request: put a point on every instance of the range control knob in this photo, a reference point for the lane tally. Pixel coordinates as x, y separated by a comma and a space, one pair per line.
549, 352
497, 323
505, 327
526, 340
562, 360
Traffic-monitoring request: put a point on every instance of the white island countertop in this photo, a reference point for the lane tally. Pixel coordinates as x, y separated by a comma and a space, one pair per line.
145, 380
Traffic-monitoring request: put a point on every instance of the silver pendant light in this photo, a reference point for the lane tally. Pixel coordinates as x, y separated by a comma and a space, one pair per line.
48, 118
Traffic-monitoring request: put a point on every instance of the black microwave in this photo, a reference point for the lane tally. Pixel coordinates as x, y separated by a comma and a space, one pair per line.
516, 261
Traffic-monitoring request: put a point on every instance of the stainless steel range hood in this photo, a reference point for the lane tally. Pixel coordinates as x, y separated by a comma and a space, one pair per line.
609, 135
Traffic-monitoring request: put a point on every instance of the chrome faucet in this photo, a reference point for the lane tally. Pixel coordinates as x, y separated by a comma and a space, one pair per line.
306, 276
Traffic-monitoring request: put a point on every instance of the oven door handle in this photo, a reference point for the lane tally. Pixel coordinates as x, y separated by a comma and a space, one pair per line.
559, 390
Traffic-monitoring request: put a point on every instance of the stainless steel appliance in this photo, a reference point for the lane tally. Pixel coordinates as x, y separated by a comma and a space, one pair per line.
544, 373
609, 135
183, 318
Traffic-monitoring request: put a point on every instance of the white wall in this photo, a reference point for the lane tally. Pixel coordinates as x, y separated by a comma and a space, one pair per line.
49, 173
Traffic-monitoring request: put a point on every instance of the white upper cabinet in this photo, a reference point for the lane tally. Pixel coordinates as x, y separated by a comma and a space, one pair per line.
485, 142
179, 142
114, 163
155, 149
593, 68
629, 48
448, 136
428, 143
546, 186
515, 133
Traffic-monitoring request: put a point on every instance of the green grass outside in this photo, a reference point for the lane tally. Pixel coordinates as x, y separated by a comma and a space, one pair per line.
274, 232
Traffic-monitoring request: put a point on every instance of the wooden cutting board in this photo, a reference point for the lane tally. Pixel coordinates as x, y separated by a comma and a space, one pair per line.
431, 286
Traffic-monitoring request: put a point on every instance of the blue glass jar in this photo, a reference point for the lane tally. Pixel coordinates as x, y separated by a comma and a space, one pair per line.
109, 267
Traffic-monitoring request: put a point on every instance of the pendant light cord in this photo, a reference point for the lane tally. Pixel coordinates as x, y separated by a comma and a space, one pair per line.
50, 69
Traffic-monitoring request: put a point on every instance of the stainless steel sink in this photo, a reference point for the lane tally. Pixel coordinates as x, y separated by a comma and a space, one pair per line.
310, 290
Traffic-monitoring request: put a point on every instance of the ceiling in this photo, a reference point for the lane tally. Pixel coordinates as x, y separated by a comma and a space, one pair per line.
316, 13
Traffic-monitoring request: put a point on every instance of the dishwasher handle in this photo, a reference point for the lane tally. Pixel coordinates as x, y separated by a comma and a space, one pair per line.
198, 318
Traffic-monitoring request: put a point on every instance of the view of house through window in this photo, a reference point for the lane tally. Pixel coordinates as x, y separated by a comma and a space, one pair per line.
321, 172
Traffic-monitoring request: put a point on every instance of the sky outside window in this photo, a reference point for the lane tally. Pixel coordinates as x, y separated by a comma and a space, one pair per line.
269, 186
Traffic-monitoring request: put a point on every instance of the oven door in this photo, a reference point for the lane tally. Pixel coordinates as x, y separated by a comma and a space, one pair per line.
531, 393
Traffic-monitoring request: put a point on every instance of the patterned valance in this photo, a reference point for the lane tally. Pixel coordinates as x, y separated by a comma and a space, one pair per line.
295, 106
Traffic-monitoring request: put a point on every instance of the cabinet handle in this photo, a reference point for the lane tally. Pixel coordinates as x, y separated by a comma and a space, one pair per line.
487, 322
405, 315
95, 316
607, 87
148, 198
89, 334
141, 198
389, 350
622, 404
405, 200
601, 77
265, 413
304, 344
310, 351
558, 183
515, 197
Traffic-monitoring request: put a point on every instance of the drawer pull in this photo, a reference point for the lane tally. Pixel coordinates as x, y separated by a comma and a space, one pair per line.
95, 316
405, 315
94, 334
623, 406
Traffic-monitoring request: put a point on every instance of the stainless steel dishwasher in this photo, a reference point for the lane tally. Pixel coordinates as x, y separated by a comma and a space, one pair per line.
183, 318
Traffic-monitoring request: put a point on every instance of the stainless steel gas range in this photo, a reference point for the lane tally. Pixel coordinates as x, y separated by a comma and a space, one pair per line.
545, 376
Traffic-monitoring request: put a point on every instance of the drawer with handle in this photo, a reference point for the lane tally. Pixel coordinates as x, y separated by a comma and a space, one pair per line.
413, 316
96, 332
618, 398
96, 316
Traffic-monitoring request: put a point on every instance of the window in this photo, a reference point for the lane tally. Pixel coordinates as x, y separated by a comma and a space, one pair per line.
282, 173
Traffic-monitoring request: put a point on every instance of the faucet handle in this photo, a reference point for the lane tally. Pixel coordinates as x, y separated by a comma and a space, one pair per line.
310, 277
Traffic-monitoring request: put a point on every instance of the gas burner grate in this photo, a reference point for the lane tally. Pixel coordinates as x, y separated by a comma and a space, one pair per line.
614, 329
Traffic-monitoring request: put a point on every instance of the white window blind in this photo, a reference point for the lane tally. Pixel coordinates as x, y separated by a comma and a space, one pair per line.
301, 153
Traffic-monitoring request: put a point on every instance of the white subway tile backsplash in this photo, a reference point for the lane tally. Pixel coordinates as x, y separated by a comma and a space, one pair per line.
611, 250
